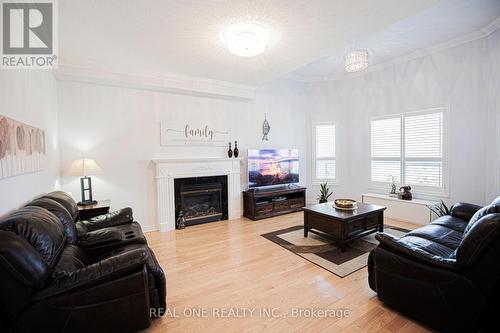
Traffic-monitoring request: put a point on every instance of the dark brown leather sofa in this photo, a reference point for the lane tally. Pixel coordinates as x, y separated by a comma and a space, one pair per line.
60, 274
445, 274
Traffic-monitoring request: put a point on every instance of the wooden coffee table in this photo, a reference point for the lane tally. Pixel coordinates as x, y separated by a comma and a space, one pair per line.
342, 225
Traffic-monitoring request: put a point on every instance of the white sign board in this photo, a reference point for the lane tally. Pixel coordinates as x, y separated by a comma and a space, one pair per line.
192, 134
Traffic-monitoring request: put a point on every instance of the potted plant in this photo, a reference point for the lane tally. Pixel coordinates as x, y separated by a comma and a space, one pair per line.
394, 185
440, 209
324, 193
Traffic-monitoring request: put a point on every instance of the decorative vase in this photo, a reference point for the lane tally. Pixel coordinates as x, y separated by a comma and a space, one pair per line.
181, 221
236, 151
230, 151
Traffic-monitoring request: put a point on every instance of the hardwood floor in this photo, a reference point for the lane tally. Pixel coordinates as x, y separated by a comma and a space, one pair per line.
226, 265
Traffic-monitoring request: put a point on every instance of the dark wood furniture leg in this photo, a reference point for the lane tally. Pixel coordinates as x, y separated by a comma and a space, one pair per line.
306, 223
381, 221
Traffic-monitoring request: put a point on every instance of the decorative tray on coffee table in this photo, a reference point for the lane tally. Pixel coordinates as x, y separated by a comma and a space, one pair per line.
345, 204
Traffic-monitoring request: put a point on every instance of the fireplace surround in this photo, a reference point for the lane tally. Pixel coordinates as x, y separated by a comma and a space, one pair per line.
168, 170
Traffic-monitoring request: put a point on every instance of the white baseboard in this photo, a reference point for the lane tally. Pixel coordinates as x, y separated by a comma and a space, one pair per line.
149, 228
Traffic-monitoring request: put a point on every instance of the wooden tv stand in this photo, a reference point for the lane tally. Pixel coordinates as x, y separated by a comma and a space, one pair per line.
263, 203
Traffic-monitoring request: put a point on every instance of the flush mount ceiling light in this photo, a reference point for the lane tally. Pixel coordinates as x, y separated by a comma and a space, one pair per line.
356, 60
246, 39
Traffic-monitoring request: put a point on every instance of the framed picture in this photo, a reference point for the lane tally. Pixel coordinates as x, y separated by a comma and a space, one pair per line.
22, 148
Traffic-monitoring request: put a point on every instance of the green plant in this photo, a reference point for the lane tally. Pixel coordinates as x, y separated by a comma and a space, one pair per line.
394, 184
440, 209
324, 193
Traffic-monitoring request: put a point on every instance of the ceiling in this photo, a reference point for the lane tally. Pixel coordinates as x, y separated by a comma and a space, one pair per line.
184, 36
448, 20
309, 37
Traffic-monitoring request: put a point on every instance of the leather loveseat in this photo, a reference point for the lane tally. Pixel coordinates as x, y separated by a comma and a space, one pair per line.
49, 282
445, 274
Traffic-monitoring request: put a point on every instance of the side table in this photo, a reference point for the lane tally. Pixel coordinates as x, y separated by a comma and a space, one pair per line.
100, 208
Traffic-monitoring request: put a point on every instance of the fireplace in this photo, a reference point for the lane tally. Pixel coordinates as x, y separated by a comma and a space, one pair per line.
201, 199
168, 170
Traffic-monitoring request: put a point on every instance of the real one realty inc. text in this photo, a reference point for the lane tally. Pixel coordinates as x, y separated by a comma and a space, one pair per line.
249, 312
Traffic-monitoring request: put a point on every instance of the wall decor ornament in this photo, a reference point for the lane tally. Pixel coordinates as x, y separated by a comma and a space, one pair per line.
265, 128
236, 151
192, 134
22, 148
229, 151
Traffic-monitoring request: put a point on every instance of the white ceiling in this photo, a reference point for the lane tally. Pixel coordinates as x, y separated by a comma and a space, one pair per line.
445, 21
182, 36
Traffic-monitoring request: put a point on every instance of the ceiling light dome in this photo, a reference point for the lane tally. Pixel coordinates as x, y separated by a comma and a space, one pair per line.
356, 60
246, 39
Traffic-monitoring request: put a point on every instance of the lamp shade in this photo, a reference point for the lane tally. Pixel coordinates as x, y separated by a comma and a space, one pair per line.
84, 167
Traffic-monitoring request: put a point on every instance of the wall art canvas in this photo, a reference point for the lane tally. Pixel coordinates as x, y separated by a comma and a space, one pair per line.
196, 134
22, 148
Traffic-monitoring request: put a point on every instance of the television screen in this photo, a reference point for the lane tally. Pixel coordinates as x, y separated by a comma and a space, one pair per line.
268, 167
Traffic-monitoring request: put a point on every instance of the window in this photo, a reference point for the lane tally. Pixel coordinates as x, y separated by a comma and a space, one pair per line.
324, 151
410, 148
386, 149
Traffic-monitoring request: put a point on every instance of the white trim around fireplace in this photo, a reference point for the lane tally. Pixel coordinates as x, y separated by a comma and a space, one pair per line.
169, 169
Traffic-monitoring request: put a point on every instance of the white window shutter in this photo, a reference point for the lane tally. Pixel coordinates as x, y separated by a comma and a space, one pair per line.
424, 149
324, 138
386, 149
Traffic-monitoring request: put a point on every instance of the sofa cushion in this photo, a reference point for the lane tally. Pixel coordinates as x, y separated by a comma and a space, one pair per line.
62, 214
118, 217
66, 200
428, 246
106, 239
464, 211
40, 230
482, 234
439, 234
491, 209
72, 258
22, 260
451, 222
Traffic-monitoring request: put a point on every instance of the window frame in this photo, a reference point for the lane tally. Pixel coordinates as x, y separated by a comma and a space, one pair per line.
315, 179
425, 190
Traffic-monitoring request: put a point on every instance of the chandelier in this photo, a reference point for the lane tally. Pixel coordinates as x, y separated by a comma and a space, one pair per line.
356, 60
246, 39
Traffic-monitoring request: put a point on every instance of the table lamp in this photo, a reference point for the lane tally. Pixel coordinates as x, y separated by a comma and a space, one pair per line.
84, 168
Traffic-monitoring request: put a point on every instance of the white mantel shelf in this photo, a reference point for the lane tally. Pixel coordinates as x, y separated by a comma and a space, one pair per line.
167, 170
195, 160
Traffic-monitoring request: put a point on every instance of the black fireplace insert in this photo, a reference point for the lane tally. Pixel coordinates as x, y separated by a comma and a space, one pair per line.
201, 199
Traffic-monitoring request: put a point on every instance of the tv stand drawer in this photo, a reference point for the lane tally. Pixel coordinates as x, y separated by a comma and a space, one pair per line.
281, 205
297, 203
264, 208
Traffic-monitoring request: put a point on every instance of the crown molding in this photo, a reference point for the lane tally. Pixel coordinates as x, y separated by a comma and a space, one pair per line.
476, 35
157, 81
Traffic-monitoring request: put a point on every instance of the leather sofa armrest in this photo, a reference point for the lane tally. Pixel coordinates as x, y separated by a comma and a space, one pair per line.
392, 243
94, 274
118, 217
464, 211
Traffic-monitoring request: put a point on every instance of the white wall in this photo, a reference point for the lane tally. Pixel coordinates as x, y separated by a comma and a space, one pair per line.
493, 148
456, 77
120, 128
29, 96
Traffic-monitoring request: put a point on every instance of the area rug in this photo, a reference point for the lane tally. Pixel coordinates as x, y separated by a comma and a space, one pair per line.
321, 250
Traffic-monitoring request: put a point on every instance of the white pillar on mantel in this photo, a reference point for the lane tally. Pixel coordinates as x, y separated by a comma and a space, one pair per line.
169, 169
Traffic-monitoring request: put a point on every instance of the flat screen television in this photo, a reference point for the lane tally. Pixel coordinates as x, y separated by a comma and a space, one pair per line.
270, 167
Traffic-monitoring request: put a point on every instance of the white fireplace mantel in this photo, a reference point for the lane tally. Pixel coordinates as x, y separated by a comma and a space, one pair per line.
169, 169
